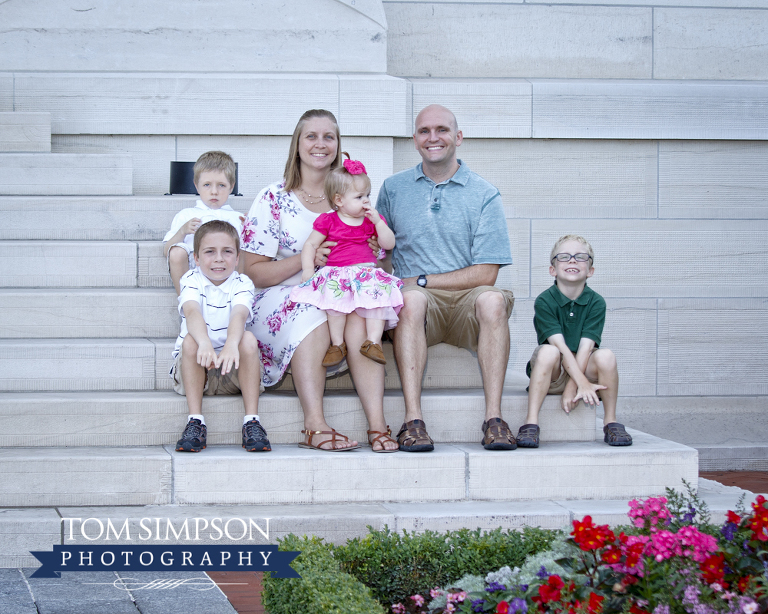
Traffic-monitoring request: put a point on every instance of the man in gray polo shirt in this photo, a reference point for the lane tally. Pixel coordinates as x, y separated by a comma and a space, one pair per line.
451, 241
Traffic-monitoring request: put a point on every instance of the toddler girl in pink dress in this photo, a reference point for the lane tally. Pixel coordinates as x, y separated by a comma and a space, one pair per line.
350, 281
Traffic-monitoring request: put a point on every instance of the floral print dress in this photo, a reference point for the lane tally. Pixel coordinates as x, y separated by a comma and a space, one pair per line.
277, 226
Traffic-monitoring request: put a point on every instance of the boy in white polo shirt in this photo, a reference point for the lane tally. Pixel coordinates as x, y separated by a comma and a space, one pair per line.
214, 177
214, 354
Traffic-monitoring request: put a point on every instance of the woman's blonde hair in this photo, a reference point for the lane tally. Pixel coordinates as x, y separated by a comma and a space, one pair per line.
339, 180
292, 173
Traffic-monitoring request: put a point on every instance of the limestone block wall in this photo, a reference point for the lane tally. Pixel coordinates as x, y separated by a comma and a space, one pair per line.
642, 125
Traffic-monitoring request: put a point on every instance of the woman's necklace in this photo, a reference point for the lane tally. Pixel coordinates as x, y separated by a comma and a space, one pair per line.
308, 197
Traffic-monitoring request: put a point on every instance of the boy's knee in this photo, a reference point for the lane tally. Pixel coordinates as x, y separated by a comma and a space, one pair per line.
189, 346
605, 360
248, 343
490, 307
548, 356
178, 256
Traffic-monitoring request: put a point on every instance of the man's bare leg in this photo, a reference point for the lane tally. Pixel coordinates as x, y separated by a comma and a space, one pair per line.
492, 348
411, 351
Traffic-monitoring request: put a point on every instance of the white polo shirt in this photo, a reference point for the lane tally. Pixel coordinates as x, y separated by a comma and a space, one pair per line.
216, 303
206, 214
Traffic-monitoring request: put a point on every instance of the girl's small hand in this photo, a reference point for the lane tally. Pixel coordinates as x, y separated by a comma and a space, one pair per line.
372, 214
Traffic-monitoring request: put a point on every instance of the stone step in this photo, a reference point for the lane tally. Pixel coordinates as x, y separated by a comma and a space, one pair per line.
29, 365
52, 476
65, 174
157, 418
25, 132
22, 530
96, 218
62, 264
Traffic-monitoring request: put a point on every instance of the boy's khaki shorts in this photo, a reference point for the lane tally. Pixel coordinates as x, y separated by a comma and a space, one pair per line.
558, 386
186, 248
451, 314
215, 382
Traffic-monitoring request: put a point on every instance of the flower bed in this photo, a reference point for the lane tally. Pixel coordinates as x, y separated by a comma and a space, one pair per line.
666, 562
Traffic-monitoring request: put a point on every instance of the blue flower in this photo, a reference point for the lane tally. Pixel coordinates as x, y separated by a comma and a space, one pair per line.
518, 605
495, 586
543, 573
729, 530
477, 605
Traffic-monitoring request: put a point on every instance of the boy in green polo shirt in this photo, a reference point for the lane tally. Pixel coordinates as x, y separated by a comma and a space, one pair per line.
569, 319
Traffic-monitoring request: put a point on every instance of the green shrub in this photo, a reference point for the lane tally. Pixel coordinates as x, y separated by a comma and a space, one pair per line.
323, 587
395, 566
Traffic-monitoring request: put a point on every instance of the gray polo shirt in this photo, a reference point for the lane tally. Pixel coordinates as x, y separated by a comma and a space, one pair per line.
446, 226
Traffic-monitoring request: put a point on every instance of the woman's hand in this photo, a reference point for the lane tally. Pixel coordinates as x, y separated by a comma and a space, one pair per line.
373, 243
321, 254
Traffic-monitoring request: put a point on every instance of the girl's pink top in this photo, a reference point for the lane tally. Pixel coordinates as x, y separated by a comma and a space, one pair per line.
352, 241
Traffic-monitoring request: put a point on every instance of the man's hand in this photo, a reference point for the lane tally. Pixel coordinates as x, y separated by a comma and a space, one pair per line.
373, 243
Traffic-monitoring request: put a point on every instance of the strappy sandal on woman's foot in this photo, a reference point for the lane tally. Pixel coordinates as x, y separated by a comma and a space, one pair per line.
335, 354
381, 438
334, 438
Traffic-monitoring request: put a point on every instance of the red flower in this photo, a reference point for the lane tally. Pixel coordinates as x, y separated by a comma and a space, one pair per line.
636, 610
502, 607
551, 590
743, 584
733, 517
611, 555
712, 568
595, 603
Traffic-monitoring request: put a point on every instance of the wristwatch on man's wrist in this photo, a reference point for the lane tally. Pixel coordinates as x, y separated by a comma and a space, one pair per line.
422, 281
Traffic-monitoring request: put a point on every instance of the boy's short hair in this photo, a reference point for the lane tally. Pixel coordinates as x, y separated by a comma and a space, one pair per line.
215, 226
216, 161
564, 238
339, 180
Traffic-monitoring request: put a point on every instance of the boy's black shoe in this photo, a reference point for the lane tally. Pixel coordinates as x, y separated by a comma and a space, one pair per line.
193, 438
255, 437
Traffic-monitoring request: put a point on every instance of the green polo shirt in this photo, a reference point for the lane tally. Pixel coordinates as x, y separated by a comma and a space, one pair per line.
574, 319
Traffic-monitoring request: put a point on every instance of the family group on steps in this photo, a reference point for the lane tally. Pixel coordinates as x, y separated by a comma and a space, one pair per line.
295, 283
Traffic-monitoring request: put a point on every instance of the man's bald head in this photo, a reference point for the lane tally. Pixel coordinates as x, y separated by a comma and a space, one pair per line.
436, 109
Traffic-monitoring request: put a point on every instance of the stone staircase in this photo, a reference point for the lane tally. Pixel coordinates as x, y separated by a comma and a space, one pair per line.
89, 321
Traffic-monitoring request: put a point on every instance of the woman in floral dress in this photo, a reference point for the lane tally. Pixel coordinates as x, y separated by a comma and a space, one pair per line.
278, 223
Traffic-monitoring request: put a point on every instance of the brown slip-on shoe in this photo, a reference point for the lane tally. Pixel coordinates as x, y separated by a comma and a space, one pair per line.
373, 351
335, 355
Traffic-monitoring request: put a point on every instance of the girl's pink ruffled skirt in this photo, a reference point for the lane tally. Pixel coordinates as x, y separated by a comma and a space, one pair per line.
368, 291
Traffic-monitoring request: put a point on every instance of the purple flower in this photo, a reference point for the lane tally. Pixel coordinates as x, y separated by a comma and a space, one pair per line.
477, 605
729, 531
691, 595
690, 515
518, 605
495, 586
542, 573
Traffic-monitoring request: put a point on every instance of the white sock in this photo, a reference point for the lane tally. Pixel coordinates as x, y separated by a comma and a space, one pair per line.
196, 417
249, 417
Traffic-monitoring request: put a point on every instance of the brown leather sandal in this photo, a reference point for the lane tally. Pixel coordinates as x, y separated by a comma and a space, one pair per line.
616, 435
381, 438
372, 350
334, 437
497, 436
335, 355
413, 437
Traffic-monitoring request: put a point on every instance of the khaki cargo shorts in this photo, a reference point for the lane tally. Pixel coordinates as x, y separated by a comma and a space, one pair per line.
557, 386
215, 382
451, 314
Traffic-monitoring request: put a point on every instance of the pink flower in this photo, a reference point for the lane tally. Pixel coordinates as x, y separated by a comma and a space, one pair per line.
354, 167
435, 592
398, 608
418, 600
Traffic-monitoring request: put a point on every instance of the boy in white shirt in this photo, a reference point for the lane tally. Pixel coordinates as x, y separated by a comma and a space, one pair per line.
214, 354
214, 177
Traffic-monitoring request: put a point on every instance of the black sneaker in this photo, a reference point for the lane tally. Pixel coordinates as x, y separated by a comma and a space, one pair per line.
193, 438
255, 437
